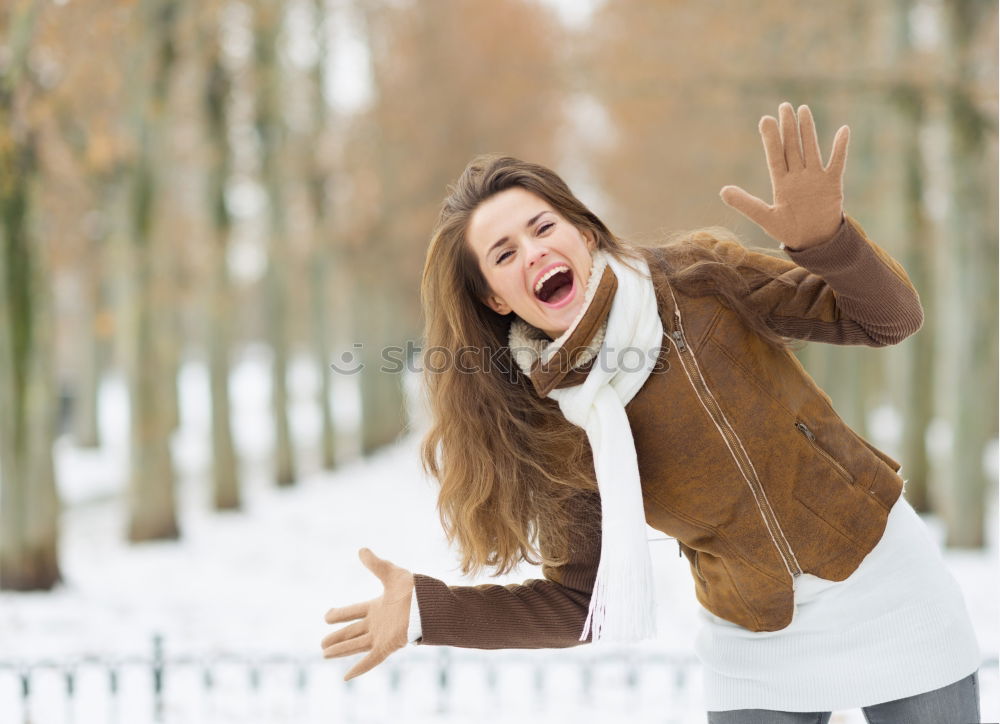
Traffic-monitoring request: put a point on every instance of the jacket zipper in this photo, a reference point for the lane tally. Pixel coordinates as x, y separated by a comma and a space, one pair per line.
743, 462
697, 567
695, 560
811, 436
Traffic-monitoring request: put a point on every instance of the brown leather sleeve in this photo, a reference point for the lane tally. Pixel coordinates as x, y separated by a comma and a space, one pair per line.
539, 613
846, 290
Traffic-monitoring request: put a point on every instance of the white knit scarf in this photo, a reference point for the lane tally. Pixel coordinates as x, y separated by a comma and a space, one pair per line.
622, 606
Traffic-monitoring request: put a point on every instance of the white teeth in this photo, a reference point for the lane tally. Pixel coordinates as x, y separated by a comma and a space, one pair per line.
548, 275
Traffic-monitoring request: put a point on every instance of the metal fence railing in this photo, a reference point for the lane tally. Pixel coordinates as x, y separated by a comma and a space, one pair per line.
422, 684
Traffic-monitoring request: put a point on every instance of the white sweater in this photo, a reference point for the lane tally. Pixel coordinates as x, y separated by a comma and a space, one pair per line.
894, 628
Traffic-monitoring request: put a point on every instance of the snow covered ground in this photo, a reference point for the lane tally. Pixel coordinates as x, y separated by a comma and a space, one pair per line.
241, 597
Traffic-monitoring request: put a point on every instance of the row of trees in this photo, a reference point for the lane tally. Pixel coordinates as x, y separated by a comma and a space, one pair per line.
149, 148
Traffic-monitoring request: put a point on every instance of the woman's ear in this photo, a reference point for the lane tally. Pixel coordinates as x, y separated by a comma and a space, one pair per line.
591, 241
497, 304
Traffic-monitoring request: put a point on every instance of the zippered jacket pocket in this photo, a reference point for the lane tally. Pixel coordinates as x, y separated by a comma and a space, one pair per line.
811, 437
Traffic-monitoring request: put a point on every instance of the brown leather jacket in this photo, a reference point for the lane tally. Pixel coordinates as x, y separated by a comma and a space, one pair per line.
742, 457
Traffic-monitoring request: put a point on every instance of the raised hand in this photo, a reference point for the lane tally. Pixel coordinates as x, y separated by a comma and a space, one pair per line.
383, 620
808, 197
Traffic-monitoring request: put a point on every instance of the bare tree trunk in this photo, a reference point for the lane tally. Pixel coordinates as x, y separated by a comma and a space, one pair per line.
170, 339
151, 499
29, 515
43, 507
323, 347
319, 180
30, 512
152, 507
267, 26
907, 99
918, 400
375, 308
973, 236
225, 481
90, 344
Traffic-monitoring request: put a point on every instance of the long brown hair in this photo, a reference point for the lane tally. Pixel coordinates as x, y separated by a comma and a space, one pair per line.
507, 460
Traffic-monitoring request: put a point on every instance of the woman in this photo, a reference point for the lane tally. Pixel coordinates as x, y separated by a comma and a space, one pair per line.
592, 387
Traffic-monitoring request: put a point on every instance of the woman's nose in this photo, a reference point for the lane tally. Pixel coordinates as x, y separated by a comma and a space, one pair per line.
535, 252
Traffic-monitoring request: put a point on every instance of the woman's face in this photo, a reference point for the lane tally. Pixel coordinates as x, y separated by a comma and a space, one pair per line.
535, 262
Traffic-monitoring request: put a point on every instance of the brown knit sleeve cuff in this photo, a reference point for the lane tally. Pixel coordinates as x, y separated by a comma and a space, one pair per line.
871, 286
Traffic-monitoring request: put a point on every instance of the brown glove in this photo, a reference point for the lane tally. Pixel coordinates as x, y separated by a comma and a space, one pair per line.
808, 197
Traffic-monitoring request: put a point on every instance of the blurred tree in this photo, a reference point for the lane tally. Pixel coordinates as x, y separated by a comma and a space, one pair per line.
29, 514
219, 331
910, 99
151, 500
271, 132
320, 179
971, 31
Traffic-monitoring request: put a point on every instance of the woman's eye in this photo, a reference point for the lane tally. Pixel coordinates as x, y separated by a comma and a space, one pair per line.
545, 227
504, 255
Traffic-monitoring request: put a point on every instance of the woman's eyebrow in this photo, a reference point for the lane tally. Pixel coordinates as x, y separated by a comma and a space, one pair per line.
502, 239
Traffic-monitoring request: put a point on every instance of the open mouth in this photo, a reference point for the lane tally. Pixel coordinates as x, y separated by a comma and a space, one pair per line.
555, 286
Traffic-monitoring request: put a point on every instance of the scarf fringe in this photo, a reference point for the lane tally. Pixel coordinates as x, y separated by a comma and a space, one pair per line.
620, 610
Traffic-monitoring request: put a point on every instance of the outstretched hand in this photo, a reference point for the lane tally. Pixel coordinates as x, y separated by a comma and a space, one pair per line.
384, 620
808, 197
